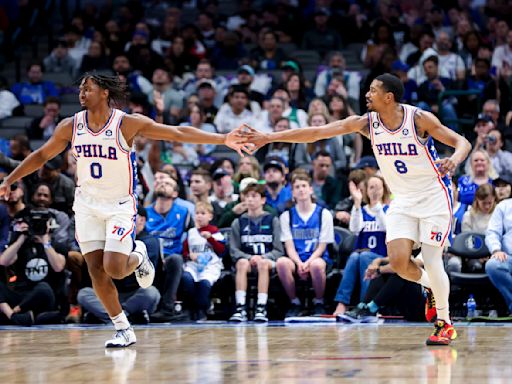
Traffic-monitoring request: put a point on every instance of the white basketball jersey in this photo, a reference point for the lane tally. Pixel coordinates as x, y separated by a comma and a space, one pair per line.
106, 166
405, 160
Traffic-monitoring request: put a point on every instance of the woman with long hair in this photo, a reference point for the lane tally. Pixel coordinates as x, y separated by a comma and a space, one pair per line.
481, 172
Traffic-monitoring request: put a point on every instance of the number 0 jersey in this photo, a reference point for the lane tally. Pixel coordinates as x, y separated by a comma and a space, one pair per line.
106, 165
405, 160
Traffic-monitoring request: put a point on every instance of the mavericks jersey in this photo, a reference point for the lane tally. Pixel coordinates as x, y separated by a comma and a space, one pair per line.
373, 234
407, 161
256, 236
106, 166
307, 233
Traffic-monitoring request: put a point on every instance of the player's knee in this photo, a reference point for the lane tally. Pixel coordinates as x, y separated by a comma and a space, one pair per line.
114, 268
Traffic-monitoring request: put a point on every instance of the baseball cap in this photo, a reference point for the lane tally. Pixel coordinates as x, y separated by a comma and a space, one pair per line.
274, 163
55, 163
247, 69
206, 83
244, 183
367, 162
399, 65
219, 173
291, 65
483, 117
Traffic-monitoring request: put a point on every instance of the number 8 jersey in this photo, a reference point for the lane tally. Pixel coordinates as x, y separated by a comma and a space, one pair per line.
406, 160
106, 165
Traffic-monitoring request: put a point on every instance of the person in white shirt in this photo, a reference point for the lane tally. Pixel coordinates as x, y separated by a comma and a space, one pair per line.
8, 102
451, 62
502, 55
235, 113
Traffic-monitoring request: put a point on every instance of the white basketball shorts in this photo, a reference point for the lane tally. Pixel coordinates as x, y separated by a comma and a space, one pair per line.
104, 223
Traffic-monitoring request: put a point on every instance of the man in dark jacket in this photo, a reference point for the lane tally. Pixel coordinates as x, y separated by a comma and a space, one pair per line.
327, 189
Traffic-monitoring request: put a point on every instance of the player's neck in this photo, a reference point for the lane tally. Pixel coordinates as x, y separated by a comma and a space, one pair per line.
392, 117
98, 117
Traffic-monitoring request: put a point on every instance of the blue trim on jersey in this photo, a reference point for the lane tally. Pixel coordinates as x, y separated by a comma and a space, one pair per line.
458, 215
134, 175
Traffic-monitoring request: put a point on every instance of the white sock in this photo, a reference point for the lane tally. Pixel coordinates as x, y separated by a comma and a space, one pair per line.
424, 279
120, 321
439, 281
139, 256
295, 301
318, 301
240, 297
262, 298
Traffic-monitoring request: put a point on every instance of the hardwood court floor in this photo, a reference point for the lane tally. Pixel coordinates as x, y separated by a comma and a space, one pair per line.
314, 353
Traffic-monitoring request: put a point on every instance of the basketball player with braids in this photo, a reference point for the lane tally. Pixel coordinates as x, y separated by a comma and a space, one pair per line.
402, 138
105, 206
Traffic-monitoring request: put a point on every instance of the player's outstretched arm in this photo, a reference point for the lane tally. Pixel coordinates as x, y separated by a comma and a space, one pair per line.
309, 134
428, 122
55, 145
184, 134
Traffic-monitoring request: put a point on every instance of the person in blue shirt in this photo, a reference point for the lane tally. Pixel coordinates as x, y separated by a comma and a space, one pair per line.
369, 223
481, 172
169, 222
306, 229
278, 193
36, 90
498, 239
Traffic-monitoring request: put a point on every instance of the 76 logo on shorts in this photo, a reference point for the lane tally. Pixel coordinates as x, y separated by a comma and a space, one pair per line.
118, 230
437, 236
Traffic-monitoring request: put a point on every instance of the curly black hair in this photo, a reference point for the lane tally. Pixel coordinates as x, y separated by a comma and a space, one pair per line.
115, 86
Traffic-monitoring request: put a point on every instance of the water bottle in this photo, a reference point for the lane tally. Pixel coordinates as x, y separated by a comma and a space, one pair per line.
471, 307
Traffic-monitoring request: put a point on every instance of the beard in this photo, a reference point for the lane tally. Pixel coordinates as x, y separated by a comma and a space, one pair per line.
273, 185
162, 194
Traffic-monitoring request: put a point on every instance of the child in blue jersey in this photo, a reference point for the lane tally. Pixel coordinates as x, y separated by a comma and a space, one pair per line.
368, 222
201, 250
255, 245
306, 229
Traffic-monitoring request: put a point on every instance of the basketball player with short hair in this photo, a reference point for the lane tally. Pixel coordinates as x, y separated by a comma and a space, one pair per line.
420, 214
105, 204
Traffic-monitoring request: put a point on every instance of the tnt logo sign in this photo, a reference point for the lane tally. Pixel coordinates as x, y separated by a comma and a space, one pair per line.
36, 269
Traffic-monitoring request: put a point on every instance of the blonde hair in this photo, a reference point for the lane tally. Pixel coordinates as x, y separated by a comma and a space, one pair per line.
324, 109
491, 173
255, 172
204, 205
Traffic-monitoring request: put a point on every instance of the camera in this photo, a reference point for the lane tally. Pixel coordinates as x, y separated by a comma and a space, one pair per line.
37, 221
490, 139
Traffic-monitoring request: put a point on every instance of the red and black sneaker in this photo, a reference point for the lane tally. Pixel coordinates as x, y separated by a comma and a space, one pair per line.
430, 306
443, 334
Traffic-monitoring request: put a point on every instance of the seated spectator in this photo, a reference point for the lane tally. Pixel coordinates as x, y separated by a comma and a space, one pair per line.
227, 54
483, 126
197, 118
387, 289
481, 172
205, 71
430, 89
202, 251
178, 60
344, 207
163, 91
137, 303
336, 67
96, 58
8, 101
382, 40
451, 62
321, 37
248, 166
497, 239
369, 224
332, 146
42, 128
299, 94
400, 69
503, 187
298, 117
59, 60
268, 55
306, 229
501, 159
255, 245
207, 95
136, 83
35, 90
477, 218
482, 80
200, 185
278, 192
235, 112
502, 55
235, 209
269, 118
63, 187
168, 221
38, 268
223, 192
226, 163
327, 189
77, 43
246, 76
